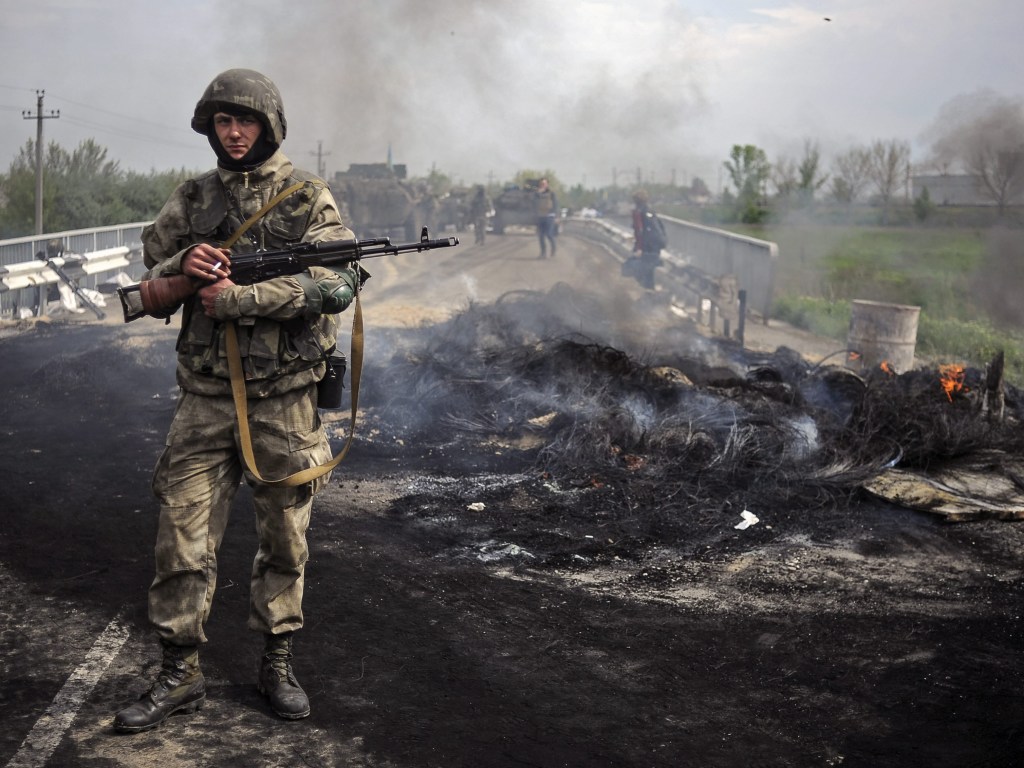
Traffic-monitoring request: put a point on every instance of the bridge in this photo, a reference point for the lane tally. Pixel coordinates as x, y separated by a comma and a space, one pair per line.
726, 277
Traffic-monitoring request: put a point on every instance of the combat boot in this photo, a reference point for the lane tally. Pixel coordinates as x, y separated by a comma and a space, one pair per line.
277, 681
179, 687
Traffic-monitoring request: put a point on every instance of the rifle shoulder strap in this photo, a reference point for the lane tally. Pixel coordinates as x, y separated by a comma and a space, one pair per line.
309, 474
238, 378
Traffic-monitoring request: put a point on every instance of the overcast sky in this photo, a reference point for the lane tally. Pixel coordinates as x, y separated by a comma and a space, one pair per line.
590, 89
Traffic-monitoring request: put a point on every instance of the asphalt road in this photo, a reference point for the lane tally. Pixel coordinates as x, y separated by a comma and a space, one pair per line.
873, 637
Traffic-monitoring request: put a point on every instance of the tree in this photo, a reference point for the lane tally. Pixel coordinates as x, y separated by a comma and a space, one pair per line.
994, 152
809, 175
749, 170
438, 183
143, 195
850, 173
889, 166
87, 187
923, 205
81, 189
796, 182
983, 134
785, 179
17, 216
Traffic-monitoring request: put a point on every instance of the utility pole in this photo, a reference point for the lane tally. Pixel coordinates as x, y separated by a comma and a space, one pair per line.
39, 117
320, 155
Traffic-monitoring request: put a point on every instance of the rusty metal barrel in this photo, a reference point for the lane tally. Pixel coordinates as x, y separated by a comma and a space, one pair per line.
881, 335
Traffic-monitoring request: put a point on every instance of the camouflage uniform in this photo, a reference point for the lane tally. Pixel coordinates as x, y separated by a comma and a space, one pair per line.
286, 325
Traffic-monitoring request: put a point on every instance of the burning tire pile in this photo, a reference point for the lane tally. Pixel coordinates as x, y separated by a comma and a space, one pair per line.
655, 452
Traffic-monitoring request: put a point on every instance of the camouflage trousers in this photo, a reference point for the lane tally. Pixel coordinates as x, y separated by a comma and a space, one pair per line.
195, 481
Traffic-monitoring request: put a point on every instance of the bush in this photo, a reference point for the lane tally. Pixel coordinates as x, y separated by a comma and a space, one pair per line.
942, 340
972, 343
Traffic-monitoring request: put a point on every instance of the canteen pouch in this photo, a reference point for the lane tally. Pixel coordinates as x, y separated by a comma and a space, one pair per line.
328, 389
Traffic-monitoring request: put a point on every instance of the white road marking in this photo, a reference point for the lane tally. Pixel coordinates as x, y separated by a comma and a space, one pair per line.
50, 728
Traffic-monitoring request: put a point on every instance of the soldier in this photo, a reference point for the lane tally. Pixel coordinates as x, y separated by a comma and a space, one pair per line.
286, 328
479, 209
546, 207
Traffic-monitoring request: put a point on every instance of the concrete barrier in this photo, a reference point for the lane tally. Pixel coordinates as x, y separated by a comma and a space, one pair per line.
27, 274
25, 285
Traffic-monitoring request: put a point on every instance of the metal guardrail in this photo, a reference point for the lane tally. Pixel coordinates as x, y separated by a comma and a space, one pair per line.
748, 262
87, 253
715, 265
722, 274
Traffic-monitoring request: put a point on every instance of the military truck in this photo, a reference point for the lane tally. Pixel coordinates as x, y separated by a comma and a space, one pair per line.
377, 201
453, 210
515, 206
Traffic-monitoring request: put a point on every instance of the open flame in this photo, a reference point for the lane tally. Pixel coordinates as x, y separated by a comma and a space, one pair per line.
951, 377
887, 368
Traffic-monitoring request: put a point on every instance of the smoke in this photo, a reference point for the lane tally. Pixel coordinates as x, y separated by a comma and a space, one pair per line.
477, 89
971, 124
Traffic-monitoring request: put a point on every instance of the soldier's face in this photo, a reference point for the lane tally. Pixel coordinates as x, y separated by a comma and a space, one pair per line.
237, 134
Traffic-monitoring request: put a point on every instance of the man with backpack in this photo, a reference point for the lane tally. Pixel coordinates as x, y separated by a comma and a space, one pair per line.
648, 240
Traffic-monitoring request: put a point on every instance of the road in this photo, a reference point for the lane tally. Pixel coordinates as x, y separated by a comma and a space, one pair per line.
437, 632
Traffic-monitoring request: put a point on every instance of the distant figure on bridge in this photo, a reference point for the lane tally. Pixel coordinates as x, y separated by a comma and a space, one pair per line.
480, 207
545, 205
285, 327
648, 240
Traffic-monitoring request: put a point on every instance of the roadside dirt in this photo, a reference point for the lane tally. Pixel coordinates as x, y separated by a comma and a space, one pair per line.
467, 605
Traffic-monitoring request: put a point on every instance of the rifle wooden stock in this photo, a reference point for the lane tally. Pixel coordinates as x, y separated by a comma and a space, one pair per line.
163, 295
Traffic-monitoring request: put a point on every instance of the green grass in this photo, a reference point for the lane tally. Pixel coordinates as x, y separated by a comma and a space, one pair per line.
822, 269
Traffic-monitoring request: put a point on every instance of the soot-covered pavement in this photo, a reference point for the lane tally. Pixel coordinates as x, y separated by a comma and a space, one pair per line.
536, 554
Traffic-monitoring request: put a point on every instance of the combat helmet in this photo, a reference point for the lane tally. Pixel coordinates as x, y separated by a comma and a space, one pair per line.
247, 89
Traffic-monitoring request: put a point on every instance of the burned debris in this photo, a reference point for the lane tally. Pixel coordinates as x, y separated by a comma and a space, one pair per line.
625, 439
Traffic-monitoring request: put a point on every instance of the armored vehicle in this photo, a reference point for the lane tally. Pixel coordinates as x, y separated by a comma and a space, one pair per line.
453, 210
377, 201
515, 206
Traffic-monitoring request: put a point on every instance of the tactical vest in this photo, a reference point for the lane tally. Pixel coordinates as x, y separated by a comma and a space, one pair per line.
545, 204
272, 351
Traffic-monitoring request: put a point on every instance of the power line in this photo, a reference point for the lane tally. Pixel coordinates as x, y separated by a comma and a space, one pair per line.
123, 129
133, 118
125, 133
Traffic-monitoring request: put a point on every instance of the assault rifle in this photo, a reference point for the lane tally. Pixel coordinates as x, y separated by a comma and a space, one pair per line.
161, 296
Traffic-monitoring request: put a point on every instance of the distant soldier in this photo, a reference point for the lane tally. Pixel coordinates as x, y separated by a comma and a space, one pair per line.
648, 240
479, 209
545, 205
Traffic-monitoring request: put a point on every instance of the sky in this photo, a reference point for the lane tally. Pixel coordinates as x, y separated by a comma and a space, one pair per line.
596, 91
